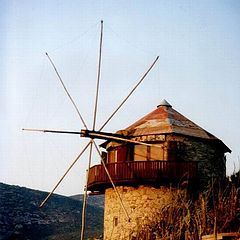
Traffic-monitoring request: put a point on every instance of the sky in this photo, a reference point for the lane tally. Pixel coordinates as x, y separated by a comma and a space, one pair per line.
198, 73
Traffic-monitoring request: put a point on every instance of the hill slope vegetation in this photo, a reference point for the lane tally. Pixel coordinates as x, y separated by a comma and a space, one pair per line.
60, 218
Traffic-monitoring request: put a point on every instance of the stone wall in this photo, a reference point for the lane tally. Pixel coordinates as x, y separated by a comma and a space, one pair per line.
209, 155
142, 205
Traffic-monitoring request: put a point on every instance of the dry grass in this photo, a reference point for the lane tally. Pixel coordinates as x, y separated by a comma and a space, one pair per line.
215, 210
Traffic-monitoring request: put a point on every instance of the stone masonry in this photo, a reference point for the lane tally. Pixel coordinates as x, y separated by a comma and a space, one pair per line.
210, 157
142, 204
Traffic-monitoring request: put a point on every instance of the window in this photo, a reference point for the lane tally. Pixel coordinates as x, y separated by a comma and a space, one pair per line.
115, 221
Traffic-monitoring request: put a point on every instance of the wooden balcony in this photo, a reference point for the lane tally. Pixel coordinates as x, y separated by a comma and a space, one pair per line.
141, 172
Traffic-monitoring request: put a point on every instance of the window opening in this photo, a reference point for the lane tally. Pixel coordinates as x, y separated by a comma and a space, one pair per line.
115, 221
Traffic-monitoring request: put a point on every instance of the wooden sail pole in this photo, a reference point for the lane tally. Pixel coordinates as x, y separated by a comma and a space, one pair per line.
94, 134
85, 193
67, 92
101, 135
93, 127
69, 168
121, 104
50, 131
114, 187
98, 77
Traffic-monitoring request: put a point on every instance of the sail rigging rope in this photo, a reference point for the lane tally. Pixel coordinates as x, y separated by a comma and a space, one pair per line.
77, 38
64, 175
67, 92
134, 88
98, 78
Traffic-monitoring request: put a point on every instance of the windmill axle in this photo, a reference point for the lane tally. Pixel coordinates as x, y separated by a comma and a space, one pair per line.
100, 135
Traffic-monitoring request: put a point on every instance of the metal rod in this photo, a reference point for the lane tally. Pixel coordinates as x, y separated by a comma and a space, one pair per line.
85, 193
140, 81
114, 187
75, 160
98, 77
71, 99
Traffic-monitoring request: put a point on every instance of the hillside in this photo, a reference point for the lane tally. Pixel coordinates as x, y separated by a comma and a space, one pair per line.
20, 217
95, 200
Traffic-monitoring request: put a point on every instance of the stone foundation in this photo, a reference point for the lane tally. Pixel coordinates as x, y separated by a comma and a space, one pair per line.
142, 205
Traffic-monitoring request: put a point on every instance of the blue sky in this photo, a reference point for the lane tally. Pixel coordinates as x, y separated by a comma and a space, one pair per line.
198, 73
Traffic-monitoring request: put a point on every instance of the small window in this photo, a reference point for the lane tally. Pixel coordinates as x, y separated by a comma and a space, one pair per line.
115, 221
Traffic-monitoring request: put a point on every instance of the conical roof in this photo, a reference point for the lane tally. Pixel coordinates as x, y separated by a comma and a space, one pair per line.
166, 120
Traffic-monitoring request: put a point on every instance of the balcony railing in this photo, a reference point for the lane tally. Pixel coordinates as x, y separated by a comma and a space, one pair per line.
140, 172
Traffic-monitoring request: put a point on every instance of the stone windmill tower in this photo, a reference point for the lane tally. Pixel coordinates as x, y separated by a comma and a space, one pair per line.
143, 161
174, 149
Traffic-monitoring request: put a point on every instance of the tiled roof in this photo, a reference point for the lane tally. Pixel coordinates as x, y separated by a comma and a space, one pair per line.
166, 120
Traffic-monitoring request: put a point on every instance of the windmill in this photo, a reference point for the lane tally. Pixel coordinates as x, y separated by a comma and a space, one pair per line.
92, 133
